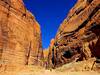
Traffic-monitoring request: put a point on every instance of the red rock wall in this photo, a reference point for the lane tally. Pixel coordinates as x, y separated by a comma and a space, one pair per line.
20, 34
78, 35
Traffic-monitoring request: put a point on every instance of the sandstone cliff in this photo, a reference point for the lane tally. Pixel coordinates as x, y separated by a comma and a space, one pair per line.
20, 35
78, 37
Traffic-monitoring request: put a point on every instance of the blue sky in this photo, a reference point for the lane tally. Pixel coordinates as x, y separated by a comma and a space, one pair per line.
49, 14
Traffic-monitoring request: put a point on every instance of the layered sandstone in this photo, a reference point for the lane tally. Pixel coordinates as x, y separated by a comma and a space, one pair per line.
20, 35
78, 37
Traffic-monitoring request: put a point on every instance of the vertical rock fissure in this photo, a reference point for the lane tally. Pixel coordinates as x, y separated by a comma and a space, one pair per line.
28, 54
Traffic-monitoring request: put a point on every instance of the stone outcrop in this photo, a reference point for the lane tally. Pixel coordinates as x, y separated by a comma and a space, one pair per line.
20, 35
78, 37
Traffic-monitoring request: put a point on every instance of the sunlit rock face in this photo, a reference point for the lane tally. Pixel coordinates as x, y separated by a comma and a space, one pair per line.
78, 37
20, 35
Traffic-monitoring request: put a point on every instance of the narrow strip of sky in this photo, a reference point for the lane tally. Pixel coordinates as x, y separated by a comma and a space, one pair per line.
49, 14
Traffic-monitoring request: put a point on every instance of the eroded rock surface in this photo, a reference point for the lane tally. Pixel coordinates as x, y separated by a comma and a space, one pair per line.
78, 37
20, 35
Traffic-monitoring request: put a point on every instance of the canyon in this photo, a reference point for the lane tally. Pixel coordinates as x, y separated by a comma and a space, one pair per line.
77, 42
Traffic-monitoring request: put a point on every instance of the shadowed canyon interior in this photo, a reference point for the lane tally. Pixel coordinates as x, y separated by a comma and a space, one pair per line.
77, 39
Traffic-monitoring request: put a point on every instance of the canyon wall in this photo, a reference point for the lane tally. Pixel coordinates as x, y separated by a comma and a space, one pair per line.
20, 35
78, 37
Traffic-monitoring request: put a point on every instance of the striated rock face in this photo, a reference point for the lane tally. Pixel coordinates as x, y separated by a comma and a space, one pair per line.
50, 54
20, 35
78, 37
